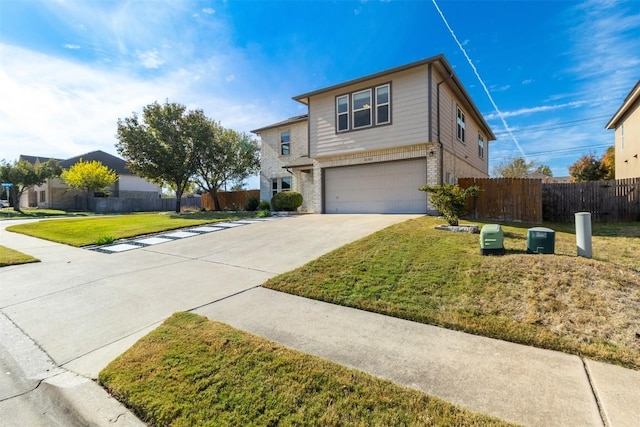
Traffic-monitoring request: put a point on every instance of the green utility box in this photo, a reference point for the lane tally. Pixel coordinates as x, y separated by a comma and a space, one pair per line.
541, 240
491, 240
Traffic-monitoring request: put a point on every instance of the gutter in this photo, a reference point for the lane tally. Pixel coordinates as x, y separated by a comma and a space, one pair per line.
440, 146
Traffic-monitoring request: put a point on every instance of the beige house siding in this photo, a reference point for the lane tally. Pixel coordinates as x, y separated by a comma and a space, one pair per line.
626, 122
628, 156
272, 163
409, 116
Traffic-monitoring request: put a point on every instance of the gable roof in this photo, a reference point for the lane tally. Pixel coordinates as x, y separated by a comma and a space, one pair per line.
35, 159
439, 60
112, 162
289, 121
628, 102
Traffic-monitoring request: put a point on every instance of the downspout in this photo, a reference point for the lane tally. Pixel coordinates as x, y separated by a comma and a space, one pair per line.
440, 146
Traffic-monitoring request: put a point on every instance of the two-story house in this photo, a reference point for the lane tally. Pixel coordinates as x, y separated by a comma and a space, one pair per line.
626, 122
368, 144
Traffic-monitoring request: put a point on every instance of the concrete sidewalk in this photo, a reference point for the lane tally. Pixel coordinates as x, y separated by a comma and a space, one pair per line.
81, 309
516, 383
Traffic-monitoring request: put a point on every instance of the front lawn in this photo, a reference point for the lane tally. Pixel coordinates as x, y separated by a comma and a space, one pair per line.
11, 257
588, 307
93, 230
194, 372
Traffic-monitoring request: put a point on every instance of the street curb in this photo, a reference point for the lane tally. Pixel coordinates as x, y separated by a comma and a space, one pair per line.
87, 401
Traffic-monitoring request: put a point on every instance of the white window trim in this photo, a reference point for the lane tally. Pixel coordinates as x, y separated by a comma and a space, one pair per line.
622, 137
373, 108
480, 145
278, 185
461, 123
364, 108
287, 143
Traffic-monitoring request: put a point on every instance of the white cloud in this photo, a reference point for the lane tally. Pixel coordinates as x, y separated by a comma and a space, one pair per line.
54, 107
527, 81
71, 46
230, 78
150, 59
208, 11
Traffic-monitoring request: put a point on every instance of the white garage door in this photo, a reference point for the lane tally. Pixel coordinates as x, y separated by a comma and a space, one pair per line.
390, 187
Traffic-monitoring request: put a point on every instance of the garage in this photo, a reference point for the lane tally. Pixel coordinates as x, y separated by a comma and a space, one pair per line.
390, 187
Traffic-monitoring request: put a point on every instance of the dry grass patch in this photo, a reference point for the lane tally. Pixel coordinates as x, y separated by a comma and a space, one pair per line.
582, 306
195, 372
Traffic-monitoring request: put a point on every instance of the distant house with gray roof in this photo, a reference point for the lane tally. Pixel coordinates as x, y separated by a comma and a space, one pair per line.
54, 194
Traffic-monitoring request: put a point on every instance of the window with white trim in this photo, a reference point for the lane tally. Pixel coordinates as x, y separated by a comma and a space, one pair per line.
342, 111
280, 184
363, 109
622, 137
480, 146
43, 196
461, 124
383, 104
285, 143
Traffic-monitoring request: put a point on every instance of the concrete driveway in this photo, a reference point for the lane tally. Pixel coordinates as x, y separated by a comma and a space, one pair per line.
84, 308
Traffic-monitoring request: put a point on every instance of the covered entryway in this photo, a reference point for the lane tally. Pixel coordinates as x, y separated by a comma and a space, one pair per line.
389, 187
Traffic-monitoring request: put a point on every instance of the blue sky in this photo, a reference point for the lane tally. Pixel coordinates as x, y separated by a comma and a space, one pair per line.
556, 71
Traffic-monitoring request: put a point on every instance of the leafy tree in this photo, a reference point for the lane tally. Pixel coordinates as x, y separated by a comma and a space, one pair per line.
90, 176
587, 168
449, 199
608, 161
163, 146
226, 156
24, 175
544, 170
520, 168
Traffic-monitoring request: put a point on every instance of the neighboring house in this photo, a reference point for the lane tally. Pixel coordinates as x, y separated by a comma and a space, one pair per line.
626, 122
54, 194
367, 145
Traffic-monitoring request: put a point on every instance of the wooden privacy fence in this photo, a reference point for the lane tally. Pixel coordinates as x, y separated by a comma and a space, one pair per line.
230, 200
505, 199
614, 200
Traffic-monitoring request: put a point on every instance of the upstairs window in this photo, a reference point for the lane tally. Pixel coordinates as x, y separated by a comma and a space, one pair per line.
480, 146
362, 109
342, 110
460, 124
285, 143
622, 137
382, 105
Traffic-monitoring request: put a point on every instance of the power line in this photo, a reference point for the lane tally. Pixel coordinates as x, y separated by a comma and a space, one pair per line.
554, 126
560, 150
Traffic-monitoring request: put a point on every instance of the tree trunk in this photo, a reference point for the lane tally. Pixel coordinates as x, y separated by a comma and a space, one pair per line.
16, 199
216, 200
178, 199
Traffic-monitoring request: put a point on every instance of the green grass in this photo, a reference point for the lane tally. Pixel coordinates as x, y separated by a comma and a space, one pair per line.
89, 231
588, 307
12, 257
195, 372
9, 213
